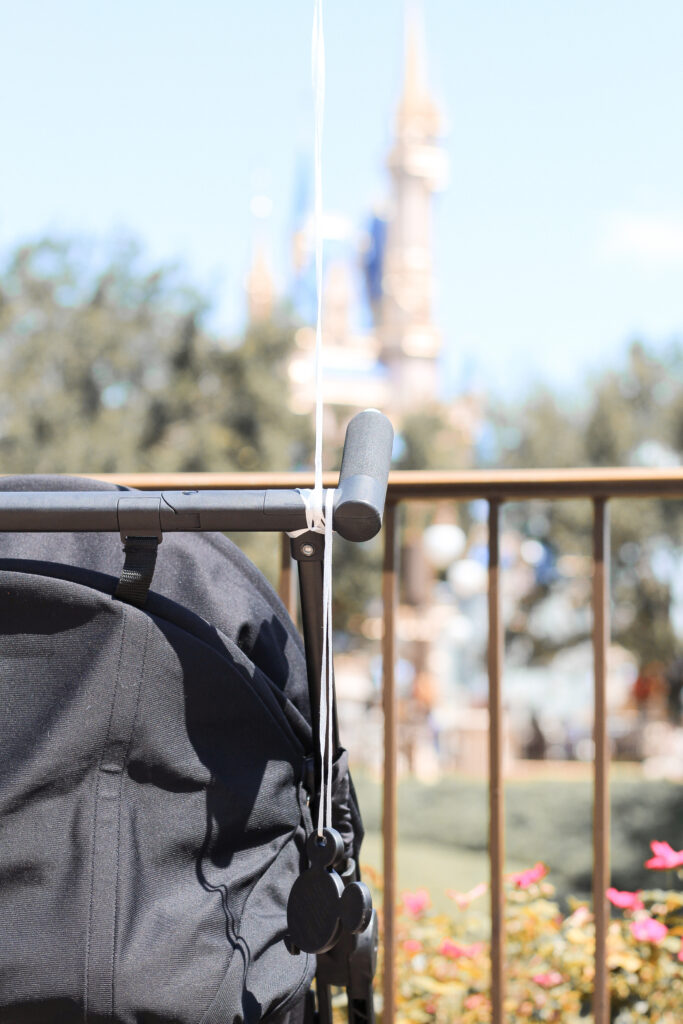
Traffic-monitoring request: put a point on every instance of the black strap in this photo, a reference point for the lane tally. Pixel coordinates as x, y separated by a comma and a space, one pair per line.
138, 569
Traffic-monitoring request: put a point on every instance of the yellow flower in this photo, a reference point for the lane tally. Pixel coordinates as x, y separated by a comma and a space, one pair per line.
626, 961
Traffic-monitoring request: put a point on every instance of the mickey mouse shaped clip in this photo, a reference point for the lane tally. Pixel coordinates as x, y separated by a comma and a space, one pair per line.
320, 905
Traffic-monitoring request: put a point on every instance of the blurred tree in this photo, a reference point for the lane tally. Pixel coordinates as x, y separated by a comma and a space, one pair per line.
630, 415
428, 440
114, 371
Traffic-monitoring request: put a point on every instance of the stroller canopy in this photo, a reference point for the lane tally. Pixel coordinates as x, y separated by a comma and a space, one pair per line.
153, 797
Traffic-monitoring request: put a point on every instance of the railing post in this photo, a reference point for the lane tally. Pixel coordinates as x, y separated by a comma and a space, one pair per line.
496, 805
389, 794
601, 806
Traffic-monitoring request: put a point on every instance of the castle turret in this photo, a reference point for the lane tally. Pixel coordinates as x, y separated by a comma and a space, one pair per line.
260, 287
260, 284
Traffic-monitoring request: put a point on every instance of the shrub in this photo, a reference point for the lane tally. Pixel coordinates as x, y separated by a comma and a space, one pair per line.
443, 961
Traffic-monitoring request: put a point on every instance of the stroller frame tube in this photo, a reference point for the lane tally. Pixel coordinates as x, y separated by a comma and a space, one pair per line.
358, 504
160, 512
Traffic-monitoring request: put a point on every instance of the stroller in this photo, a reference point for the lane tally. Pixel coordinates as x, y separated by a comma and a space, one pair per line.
157, 774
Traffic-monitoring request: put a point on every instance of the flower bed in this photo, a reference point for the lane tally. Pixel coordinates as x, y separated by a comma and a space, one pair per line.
443, 964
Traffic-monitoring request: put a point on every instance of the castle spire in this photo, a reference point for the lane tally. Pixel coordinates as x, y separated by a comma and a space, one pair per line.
410, 340
260, 286
417, 112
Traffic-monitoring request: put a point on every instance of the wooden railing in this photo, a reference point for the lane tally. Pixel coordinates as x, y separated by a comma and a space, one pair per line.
599, 486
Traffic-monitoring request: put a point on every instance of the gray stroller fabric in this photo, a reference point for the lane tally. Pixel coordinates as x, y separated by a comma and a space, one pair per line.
153, 811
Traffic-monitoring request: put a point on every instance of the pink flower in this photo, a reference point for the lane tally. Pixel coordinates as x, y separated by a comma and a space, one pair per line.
451, 949
646, 929
624, 900
455, 951
414, 903
579, 918
475, 1000
412, 946
680, 952
548, 979
526, 878
664, 856
463, 899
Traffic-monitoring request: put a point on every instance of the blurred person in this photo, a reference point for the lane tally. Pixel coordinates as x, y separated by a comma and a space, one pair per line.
674, 682
535, 746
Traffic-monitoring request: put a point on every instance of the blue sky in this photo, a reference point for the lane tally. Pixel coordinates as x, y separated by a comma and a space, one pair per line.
559, 238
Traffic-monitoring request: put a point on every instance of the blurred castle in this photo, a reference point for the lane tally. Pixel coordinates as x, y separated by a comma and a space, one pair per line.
392, 362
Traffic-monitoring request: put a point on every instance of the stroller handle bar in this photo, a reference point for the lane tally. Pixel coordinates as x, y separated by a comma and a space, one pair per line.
358, 505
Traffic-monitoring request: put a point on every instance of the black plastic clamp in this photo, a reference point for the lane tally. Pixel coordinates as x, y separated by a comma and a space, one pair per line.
139, 515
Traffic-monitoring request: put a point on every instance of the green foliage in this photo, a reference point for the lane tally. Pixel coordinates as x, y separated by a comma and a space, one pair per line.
429, 441
113, 370
108, 366
629, 416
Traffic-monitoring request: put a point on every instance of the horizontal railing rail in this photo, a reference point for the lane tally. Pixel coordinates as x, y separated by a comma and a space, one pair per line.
496, 487
411, 485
